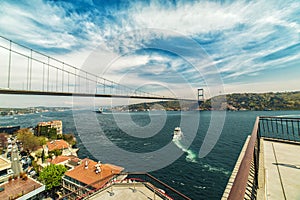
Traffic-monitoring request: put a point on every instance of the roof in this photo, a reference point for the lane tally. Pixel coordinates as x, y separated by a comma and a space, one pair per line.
60, 159
4, 163
74, 161
57, 144
54, 122
89, 176
13, 189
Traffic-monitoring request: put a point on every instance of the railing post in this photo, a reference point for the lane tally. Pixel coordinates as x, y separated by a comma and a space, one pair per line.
134, 190
111, 190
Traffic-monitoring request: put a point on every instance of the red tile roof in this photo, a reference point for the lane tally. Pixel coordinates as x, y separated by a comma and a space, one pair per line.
89, 176
54, 122
57, 144
60, 159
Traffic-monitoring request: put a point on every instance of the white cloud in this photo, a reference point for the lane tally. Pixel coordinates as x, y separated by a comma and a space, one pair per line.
230, 29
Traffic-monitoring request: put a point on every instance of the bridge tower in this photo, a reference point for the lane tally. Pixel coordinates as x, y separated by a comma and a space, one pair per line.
200, 96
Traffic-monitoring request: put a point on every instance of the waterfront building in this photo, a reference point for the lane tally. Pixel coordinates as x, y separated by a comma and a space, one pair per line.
49, 129
5, 169
87, 176
22, 188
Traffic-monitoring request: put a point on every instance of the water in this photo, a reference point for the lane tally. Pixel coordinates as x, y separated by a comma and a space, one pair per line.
197, 178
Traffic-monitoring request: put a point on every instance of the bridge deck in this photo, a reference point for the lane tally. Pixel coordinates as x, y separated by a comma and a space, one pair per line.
282, 170
51, 93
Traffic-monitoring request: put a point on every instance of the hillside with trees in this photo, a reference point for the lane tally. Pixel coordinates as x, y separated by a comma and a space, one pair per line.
264, 101
236, 101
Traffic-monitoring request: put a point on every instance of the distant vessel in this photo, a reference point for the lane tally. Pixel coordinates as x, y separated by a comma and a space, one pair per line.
177, 133
100, 110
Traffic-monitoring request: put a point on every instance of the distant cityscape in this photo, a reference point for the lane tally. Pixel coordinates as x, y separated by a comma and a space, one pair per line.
30, 110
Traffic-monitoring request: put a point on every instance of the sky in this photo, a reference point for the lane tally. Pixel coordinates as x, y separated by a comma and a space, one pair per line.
164, 47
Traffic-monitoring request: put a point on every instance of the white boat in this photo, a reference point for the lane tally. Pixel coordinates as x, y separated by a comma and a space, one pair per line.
177, 133
100, 110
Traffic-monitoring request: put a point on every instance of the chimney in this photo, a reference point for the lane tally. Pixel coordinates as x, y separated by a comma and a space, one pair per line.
98, 167
86, 166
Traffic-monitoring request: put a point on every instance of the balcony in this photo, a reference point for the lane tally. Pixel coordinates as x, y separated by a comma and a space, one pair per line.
268, 166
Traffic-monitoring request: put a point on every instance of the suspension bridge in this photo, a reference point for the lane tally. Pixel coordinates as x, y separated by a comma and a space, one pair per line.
26, 71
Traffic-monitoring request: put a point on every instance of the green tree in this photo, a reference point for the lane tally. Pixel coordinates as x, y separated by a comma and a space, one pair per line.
29, 141
56, 152
52, 134
70, 138
42, 140
51, 175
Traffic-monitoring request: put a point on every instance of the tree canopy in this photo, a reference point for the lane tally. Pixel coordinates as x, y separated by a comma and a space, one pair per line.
51, 175
30, 142
70, 138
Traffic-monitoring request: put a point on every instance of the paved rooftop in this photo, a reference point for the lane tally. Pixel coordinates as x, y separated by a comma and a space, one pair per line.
126, 192
17, 188
282, 170
4, 163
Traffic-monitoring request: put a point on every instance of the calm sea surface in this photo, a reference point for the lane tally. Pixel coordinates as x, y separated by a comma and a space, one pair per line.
197, 178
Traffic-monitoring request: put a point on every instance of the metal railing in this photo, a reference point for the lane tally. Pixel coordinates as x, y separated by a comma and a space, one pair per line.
283, 129
248, 166
132, 179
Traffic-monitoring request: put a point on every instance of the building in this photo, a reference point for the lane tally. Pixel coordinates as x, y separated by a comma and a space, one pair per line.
70, 162
22, 188
61, 145
57, 145
50, 129
9, 129
5, 169
135, 186
88, 176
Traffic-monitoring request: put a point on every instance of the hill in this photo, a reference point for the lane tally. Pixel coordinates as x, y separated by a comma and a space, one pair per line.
236, 101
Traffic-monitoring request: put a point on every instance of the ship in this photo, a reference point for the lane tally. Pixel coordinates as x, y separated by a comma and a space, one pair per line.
177, 134
100, 110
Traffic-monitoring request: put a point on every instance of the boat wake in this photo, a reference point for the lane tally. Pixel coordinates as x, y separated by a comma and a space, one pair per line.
191, 156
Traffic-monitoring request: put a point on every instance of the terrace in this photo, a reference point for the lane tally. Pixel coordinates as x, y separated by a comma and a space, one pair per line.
21, 188
128, 186
269, 164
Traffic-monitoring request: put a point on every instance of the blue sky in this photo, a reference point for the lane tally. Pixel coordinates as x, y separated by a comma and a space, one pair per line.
252, 46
